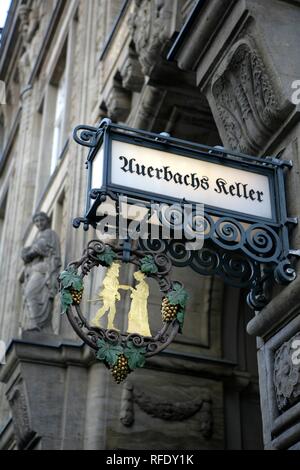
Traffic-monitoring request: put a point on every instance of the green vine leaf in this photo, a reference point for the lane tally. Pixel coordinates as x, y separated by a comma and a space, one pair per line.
180, 319
70, 278
148, 265
108, 352
135, 356
178, 295
66, 300
108, 256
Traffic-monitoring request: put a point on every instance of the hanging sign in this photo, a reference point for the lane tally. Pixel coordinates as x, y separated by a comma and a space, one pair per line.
135, 163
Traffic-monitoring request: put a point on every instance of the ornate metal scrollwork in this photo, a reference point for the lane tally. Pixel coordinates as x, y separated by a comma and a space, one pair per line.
83, 220
235, 251
258, 241
87, 136
234, 268
284, 273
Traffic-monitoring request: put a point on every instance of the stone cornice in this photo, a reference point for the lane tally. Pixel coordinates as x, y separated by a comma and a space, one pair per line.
42, 349
53, 349
197, 32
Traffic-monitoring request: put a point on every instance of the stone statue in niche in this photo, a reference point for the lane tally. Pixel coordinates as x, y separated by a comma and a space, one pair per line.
42, 263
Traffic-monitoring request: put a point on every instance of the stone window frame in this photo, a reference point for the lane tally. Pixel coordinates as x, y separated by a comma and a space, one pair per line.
59, 131
61, 62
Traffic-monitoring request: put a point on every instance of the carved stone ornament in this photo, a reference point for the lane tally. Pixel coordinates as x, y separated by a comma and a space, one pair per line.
29, 25
20, 416
150, 104
287, 374
166, 410
246, 99
131, 73
117, 102
149, 26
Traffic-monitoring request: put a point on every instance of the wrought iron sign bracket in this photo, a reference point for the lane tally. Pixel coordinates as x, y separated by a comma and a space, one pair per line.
245, 247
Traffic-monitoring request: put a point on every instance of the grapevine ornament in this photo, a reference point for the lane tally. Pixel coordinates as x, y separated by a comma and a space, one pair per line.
122, 352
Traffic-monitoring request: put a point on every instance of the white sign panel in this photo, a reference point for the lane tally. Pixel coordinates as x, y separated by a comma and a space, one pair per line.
198, 181
97, 170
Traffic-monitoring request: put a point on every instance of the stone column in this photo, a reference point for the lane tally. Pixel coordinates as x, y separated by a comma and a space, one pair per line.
98, 397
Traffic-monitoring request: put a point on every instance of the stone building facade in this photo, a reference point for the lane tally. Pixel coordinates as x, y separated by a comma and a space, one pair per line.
217, 72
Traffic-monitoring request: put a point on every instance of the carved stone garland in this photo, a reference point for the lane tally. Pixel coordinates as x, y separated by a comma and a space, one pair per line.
123, 352
167, 410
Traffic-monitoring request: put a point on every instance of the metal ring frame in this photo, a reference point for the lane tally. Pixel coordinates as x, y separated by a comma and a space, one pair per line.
90, 335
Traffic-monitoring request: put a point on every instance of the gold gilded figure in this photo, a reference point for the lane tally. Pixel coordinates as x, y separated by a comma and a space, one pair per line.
138, 314
109, 295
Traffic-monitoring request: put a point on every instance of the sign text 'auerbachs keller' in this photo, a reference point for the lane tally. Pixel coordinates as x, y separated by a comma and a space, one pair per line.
181, 177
